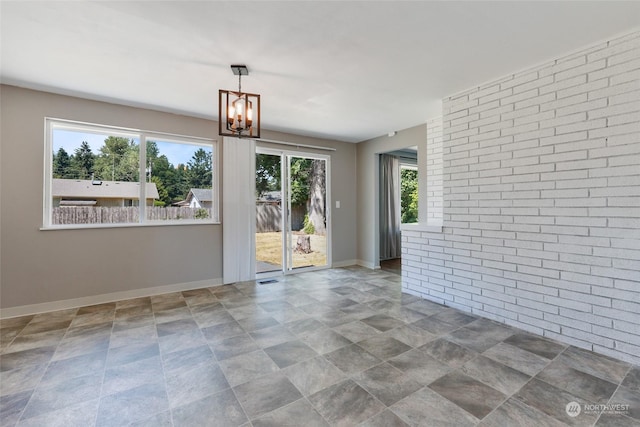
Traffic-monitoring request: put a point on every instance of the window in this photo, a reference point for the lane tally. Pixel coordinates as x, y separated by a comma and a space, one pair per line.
408, 193
98, 175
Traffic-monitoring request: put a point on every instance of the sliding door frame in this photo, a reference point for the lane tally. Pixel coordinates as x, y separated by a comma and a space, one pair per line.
285, 156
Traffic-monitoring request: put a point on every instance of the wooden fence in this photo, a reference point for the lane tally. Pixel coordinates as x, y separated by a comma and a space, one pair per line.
269, 218
118, 215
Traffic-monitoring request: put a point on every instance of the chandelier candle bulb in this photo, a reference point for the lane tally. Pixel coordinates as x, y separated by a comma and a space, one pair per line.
239, 109
230, 115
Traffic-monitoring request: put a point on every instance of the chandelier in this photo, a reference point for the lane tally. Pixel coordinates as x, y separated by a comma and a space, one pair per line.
239, 112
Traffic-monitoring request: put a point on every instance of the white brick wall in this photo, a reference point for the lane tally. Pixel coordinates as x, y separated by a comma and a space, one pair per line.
541, 201
434, 171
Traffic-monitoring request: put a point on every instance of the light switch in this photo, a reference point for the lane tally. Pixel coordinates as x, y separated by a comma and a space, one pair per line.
337, 204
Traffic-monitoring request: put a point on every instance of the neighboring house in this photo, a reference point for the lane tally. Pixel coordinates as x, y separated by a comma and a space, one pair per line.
198, 198
270, 198
85, 192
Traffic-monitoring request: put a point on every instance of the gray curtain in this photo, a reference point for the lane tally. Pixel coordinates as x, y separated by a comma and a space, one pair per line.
389, 207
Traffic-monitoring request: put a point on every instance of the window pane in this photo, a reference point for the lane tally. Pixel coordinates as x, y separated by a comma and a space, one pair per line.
95, 178
182, 174
409, 194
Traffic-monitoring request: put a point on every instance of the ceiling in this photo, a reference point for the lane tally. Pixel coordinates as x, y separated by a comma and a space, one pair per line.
349, 71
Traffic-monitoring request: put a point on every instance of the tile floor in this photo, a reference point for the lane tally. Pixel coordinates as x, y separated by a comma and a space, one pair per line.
392, 265
340, 347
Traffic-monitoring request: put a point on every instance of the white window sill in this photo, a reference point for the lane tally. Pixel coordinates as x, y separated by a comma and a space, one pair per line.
125, 225
431, 228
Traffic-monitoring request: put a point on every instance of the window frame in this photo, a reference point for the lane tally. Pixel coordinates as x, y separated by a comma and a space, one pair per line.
410, 165
142, 136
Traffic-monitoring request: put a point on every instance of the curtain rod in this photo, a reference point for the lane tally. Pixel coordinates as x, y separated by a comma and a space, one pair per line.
315, 147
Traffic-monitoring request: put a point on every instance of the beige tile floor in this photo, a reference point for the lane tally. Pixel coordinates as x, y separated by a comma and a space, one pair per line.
339, 347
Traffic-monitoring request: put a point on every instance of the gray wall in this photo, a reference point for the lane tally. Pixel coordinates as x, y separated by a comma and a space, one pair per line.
367, 198
47, 266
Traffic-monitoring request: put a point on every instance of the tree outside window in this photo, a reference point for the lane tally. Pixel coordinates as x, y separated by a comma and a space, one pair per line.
408, 194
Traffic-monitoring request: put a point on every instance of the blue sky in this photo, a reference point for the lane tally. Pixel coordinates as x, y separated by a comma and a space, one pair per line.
70, 140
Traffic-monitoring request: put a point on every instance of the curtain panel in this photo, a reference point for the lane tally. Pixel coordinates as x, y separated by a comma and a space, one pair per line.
238, 209
390, 246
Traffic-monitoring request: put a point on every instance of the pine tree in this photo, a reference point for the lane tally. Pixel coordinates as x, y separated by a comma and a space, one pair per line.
62, 165
199, 169
83, 161
165, 172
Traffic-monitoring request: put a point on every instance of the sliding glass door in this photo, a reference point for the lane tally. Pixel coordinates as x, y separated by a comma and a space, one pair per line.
269, 209
307, 222
291, 211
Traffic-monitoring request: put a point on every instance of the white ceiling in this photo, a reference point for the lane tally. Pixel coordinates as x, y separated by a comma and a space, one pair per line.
342, 70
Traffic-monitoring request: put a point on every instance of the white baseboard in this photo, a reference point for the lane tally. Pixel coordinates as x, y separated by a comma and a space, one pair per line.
367, 264
347, 263
24, 310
